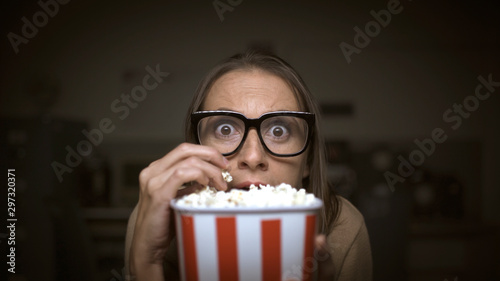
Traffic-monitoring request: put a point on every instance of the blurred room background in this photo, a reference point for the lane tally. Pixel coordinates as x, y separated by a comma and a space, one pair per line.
440, 223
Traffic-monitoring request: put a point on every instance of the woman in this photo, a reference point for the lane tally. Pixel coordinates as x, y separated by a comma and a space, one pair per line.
246, 86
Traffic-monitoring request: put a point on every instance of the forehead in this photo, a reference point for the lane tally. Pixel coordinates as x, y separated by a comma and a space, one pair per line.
251, 92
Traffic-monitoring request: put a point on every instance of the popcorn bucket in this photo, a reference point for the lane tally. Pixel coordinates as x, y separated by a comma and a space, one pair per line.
246, 243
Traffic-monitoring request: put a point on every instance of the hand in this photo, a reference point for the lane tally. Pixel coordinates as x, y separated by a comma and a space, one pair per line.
159, 183
321, 264
324, 259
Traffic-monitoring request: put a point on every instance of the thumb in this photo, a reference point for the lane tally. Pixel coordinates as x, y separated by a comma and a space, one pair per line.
321, 247
326, 270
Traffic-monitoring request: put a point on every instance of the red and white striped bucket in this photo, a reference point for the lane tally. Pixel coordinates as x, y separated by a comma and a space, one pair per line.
273, 243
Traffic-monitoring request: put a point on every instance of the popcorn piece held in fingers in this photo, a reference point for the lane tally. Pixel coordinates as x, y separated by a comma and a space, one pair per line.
226, 176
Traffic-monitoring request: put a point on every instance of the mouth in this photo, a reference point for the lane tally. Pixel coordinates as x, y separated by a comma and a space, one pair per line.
246, 185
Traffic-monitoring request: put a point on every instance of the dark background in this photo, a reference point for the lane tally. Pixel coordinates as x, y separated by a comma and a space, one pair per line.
441, 223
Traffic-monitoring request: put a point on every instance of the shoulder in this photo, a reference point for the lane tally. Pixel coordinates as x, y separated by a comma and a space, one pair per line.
349, 218
346, 228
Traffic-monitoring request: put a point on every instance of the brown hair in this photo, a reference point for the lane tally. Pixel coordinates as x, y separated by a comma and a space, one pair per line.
317, 181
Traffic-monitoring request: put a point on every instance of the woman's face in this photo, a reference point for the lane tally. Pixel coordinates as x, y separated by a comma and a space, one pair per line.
253, 93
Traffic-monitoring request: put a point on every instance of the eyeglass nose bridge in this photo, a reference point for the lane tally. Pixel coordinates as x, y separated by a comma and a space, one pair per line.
253, 123
250, 123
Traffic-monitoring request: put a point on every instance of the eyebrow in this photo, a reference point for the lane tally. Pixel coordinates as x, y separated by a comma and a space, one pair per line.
229, 109
226, 109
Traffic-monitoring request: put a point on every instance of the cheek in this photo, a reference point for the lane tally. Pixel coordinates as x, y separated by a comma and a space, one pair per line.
290, 172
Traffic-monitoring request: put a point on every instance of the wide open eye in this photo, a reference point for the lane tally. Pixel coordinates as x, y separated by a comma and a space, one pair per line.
225, 130
278, 131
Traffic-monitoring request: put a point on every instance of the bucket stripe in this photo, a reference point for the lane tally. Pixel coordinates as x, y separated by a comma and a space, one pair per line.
227, 249
271, 250
250, 268
206, 237
309, 265
189, 248
291, 245
180, 249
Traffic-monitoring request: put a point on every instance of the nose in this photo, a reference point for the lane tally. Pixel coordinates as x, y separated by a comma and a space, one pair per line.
252, 155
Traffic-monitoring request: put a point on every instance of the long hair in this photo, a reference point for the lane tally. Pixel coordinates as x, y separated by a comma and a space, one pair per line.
317, 181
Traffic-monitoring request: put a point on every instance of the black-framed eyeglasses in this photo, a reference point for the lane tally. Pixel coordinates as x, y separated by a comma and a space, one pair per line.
281, 133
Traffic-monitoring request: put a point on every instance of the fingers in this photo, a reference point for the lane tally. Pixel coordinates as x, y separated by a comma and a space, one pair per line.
326, 271
187, 163
186, 150
211, 175
188, 170
320, 242
189, 188
169, 188
176, 166
320, 265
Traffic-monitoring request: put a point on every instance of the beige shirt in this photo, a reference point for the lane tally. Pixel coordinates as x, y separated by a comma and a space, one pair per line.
348, 244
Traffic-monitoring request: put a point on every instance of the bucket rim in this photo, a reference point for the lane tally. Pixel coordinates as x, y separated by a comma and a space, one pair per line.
315, 206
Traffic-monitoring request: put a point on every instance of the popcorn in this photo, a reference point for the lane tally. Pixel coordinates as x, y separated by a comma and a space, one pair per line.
282, 195
227, 176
